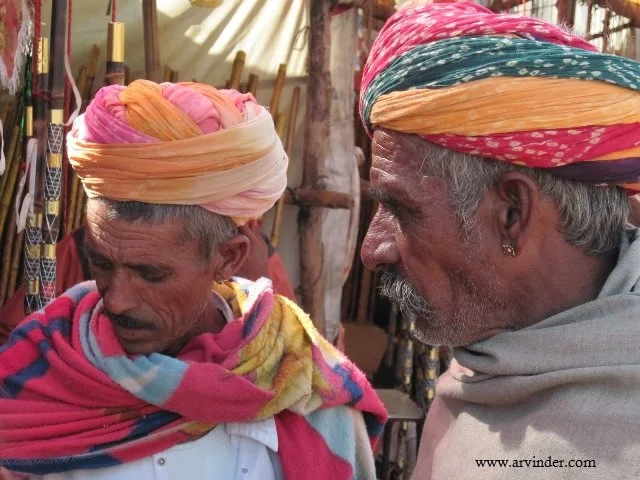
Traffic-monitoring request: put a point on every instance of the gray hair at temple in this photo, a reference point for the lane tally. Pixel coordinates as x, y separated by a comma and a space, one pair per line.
210, 229
591, 217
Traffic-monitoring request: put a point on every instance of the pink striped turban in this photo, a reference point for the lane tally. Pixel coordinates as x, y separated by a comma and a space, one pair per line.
183, 144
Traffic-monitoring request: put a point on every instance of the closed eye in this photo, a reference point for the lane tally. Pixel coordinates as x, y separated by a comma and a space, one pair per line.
151, 275
100, 263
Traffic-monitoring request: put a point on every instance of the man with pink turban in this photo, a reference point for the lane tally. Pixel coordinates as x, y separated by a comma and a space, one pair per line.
162, 367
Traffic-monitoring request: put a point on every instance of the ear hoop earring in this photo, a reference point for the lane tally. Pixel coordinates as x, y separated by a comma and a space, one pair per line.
508, 250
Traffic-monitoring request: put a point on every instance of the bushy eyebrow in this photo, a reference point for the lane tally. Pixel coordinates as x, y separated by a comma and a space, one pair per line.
380, 194
92, 253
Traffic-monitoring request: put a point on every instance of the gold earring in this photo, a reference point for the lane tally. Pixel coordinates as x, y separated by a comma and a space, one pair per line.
219, 281
508, 250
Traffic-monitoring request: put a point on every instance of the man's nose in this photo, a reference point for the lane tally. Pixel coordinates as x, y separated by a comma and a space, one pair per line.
119, 292
379, 248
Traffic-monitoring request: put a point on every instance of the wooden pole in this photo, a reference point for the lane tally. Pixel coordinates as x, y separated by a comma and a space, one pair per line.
236, 70
91, 75
7, 257
55, 139
151, 41
277, 89
166, 76
316, 135
18, 245
291, 128
33, 237
252, 84
9, 181
605, 31
74, 181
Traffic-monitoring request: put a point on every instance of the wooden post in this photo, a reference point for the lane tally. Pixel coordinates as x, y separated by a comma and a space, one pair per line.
605, 31
151, 41
252, 84
316, 134
566, 12
277, 89
236, 70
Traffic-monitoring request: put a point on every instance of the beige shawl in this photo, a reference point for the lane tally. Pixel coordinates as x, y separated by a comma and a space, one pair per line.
567, 388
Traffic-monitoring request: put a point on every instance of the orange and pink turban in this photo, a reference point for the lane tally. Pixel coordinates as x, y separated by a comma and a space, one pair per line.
508, 88
183, 144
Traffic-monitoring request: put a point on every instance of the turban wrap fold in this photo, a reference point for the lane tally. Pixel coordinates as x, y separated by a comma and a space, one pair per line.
508, 88
183, 144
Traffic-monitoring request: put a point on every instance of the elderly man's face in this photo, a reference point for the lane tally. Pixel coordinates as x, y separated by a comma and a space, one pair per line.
156, 288
447, 282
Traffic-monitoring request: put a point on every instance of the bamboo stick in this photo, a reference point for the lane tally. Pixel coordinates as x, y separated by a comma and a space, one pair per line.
288, 145
151, 40
81, 81
236, 70
9, 179
18, 245
127, 75
166, 76
7, 257
277, 89
33, 239
80, 206
55, 135
174, 76
91, 74
71, 204
73, 177
252, 84
9, 147
5, 108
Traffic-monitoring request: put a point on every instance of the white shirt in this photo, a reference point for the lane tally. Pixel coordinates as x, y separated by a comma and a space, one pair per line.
231, 451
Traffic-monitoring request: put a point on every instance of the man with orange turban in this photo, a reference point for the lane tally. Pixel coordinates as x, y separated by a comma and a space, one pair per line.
162, 367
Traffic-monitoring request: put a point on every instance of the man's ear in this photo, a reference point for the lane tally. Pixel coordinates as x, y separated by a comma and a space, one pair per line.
518, 201
230, 255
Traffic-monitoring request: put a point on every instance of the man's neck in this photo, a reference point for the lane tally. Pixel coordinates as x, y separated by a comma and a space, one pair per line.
558, 284
210, 321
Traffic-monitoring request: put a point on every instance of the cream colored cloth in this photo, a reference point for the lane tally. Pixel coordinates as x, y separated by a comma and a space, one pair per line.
566, 388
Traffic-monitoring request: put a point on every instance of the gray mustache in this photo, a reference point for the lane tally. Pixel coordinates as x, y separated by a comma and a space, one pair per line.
404, 293
128, 322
